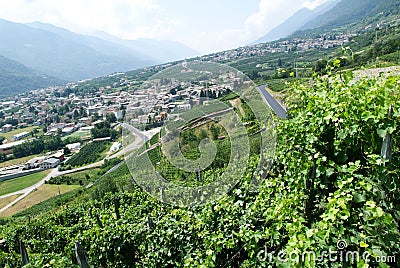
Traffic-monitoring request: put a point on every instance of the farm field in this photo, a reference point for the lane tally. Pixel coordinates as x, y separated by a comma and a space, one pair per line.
8, 135
5, 201
13, 185
41, 194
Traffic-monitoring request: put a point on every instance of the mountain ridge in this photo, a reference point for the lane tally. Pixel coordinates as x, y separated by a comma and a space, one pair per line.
17, 78
69, 56
351, 15
295, 22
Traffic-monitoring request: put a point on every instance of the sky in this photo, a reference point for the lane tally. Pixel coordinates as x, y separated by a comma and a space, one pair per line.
204, 25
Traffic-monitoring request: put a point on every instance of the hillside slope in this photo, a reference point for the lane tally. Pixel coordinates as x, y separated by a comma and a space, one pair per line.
16, 78
58, 56
361, 12
295, 22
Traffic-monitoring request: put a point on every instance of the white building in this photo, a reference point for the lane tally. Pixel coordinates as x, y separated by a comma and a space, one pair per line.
49, 163
115, 147
74, 146
20, 136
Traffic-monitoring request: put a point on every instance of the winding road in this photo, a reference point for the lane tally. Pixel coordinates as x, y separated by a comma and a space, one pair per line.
272, 102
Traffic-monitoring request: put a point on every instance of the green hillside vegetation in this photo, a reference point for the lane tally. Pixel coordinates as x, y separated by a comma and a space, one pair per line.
380, 46
328, 183
17, 78
345, 12
353, 15
88, 154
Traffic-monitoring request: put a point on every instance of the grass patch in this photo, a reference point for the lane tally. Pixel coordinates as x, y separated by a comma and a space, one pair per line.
41, 194
90, 153
8, 135
5, 201
18, 161
20, 183
77, 178
278, 84
53, 203
77, 135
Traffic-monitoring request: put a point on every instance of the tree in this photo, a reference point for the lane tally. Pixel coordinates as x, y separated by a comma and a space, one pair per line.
280, 62
66, 150
11, 121
320, 66
111, 118
76, 114
96, 117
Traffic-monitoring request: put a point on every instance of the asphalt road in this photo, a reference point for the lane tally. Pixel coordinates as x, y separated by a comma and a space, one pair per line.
272, 102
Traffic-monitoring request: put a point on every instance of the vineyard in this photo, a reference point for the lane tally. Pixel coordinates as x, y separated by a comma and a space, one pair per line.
333, 187
90, 153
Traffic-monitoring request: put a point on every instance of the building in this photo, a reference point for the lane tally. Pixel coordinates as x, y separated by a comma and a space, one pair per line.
115, 147
7, 148
20, 136
68, 130
74, 146
58, 155
34, 162
6, 128
49, 163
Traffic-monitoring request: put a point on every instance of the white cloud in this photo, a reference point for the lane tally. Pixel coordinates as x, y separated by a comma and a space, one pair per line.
132, 19
119, 17
313, 4
271, 13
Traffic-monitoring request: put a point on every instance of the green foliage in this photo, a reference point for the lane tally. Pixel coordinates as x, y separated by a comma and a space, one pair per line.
17, 78
78, 178
328, 183
104, 129
37, 146
90, 153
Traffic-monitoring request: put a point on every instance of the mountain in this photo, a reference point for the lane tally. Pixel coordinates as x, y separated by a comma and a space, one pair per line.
162, 50
70, 56
154, 50
295, 22
60, 57
16, 78
97, 44
360, 12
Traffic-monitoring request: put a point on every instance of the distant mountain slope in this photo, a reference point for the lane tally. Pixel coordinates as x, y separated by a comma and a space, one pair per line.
287, 27
52, 54
16, 78
162, 50
295, 22
153, 50
97, 44
352, 11
346, 11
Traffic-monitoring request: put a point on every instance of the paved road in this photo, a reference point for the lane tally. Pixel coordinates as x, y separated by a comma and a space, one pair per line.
272, 102
135, 131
